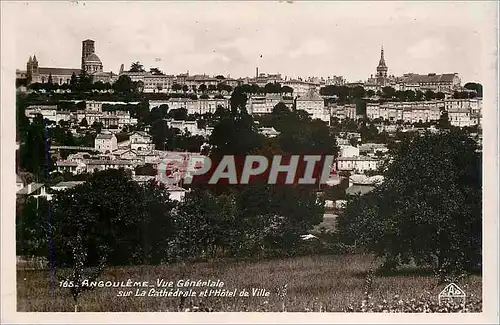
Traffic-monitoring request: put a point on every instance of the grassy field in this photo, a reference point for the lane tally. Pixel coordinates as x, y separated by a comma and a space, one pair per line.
314, 283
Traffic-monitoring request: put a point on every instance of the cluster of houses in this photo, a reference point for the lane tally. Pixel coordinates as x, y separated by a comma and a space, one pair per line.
461, 112
359, 159
93, 112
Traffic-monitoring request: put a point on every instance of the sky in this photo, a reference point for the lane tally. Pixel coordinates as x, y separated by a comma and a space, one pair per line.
296, 39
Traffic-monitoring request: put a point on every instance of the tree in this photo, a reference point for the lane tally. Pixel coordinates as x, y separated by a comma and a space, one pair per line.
50, 83
84, 122
98, 86
97, 126
136, 67
33, 154
235, 134
238, 101
440, 96
176, 87
431, 215
287, 90
430, 95
123, 85
125, 215
444, 122
73, 82
273, 217
160, 133
388, 92
158, 113
477, 87
358, 92
203, 88
32, 226
147, 169
185, 88
419, 95
212, 87
36, 86
155, 71
84, 81
410, 95
178, 114
272, 88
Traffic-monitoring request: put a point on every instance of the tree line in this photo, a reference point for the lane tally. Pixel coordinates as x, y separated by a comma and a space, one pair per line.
129, 224
344, 94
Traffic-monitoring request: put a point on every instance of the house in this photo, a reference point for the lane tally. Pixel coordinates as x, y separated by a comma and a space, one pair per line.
98, 165
359, 189
176, 193
47, 111
70, 166
269, 132
461, 117
349, 151
359, 164
371, 149
61, 186
105, 142
35, 190
313, 103
143, 179
127, 154
140, 140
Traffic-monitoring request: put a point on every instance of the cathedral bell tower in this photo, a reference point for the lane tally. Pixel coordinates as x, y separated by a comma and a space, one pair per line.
32, 70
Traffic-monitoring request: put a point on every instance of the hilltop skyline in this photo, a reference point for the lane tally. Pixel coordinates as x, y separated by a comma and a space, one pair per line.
297, 40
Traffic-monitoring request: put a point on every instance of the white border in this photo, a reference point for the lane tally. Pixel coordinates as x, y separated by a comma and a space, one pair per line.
489, 68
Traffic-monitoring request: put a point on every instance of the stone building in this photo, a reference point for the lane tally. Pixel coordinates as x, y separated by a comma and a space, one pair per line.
90, 62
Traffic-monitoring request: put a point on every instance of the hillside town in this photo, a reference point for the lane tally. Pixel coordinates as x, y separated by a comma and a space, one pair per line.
288, 157
105, 112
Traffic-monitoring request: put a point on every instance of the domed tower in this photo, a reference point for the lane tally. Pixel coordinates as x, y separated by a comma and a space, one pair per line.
92, 64
382, 68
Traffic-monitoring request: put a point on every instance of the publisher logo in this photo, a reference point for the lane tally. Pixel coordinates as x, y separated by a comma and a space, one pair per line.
451, 292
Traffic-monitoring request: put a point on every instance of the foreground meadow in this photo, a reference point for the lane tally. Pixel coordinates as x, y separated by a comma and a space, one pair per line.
328, 283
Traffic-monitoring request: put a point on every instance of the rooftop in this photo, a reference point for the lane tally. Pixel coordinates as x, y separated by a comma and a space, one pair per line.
68, 184
104, 136
311, 95
92, 58
59, 71
30, 188
359, 189
357, 158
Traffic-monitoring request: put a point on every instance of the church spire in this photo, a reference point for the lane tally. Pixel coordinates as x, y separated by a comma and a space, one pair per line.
382, 59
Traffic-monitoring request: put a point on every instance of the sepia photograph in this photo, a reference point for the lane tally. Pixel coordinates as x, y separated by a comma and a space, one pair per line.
266, 157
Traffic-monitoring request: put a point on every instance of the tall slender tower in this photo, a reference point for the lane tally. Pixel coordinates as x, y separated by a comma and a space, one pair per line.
88, 47
382, 68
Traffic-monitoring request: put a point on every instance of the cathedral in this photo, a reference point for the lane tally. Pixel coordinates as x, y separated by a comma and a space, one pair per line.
381, 79
90, 62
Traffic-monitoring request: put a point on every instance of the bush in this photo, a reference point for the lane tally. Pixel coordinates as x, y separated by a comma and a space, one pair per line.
428, 210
